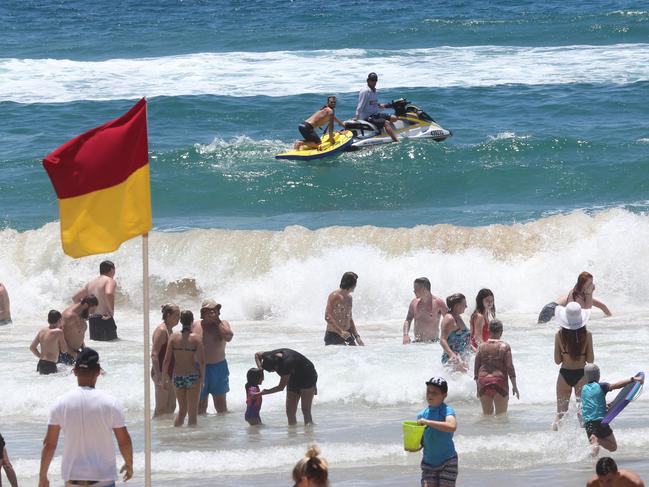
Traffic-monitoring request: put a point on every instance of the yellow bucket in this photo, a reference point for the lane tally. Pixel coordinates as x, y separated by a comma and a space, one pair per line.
412, 434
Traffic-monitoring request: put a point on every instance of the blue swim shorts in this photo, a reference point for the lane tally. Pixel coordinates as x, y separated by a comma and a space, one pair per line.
217, 379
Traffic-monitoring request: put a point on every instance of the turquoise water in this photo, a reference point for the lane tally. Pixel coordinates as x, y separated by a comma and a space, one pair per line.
547, 109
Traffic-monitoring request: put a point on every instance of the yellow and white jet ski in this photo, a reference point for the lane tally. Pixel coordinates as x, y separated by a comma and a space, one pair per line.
341, 142
412, 123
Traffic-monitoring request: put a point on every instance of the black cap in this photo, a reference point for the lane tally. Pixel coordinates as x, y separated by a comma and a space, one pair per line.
438, 382
87, 358
372, 76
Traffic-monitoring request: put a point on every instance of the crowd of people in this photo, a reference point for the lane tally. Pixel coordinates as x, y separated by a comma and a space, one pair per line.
190, 365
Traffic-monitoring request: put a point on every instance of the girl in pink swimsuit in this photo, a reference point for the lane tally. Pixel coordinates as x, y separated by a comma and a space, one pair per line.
485, 311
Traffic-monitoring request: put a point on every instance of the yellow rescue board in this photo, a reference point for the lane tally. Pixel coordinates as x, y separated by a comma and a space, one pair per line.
342, 140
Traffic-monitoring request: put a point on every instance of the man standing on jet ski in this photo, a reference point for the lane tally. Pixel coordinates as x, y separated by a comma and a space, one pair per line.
318, 119
368, 108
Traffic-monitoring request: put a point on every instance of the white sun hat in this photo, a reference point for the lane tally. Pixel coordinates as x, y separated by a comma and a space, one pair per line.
571, 316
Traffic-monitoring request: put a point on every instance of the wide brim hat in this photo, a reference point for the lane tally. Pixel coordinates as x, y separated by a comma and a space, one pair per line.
572, 316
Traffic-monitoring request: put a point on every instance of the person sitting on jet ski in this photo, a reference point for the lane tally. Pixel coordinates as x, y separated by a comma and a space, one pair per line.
368, 108
318, 119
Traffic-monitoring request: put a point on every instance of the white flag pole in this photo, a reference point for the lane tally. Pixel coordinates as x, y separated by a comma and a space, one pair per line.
147, 361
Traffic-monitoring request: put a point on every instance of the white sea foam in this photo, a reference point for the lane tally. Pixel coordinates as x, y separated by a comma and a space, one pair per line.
281, 73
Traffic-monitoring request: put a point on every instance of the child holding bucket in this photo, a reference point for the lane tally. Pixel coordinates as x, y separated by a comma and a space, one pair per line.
439, 465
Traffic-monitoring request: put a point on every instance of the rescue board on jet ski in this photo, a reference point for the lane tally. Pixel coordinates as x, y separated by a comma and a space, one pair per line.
342, 140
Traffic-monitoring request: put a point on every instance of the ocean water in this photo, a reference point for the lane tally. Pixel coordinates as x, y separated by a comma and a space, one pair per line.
545, 176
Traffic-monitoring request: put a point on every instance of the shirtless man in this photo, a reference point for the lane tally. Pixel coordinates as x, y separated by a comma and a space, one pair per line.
52, 343
318, 119
74, 326
427, 311
609, 476
341, 329
5, 308
102, 324
215, 334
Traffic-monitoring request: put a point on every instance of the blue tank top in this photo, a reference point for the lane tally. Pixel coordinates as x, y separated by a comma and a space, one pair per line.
438, 445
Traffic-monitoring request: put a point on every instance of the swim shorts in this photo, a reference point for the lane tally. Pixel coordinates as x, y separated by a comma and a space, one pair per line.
441, 476
378, 119
217, 379
185, 381
308, 132
102, 330
303, 379
46, 367
598, 429
65, 358
333, 338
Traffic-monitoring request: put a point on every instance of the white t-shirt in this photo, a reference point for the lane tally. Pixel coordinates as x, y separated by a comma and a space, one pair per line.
87, 417
368, 103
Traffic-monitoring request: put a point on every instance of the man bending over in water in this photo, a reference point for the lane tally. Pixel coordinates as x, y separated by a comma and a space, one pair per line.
74, 326
427, 310
5, 311
102, 323
318, 119
52, 343
341, 329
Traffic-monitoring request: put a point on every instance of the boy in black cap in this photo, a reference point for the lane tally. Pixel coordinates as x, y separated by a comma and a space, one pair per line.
439, 465
88, 418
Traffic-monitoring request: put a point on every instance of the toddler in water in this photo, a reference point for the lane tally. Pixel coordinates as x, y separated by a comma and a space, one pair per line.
253, 395
439, 463
593, 408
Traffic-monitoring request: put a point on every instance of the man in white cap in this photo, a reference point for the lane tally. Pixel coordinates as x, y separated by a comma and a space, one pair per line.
216, 333
89, 418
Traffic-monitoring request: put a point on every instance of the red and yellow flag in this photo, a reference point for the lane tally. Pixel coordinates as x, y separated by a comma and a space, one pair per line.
101, 179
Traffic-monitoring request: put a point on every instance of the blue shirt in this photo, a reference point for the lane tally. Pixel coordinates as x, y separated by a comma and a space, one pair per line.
593, 400
438, 445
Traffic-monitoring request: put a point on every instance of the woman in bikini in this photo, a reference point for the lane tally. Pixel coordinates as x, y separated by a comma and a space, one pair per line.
186, 351
485, 311
493, 364
454, 335
573, 348
165, 399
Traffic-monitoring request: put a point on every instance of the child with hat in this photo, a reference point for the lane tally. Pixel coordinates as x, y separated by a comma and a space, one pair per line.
439, 465
593, 408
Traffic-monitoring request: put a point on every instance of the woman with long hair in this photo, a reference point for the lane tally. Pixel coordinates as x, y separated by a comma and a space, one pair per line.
573, 349
484, 312
165, 398
454, 335
582, 293
186, 350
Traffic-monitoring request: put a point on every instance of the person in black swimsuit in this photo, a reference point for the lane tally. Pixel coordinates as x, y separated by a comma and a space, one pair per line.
573, 348
298, 373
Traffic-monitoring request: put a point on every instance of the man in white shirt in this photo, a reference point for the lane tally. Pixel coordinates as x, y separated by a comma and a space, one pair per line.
368, 108
87, 417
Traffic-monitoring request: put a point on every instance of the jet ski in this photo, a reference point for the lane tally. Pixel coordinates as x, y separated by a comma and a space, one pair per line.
341, 141
412, 123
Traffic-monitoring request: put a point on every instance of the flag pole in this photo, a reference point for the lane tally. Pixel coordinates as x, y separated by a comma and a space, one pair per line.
147, 363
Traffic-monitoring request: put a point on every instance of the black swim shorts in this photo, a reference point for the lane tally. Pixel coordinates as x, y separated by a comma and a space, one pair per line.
102, 330
45, 367
598, 429
303, 379
308, 132
332, 338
